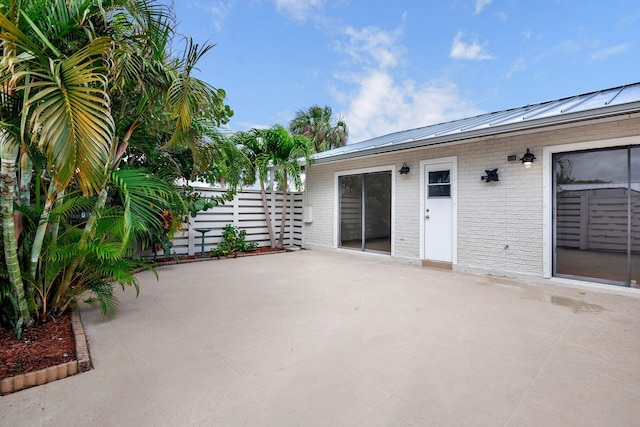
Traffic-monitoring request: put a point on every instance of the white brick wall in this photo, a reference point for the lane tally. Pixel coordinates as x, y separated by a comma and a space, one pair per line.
499, 224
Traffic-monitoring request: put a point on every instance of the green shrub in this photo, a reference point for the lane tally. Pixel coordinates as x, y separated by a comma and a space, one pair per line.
233, 240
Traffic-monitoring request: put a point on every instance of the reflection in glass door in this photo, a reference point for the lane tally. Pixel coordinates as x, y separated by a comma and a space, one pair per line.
597, 215
365, 211
634, 238
350, 188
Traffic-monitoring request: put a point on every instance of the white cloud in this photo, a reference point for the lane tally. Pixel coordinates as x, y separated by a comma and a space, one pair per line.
609, 51
377, 101
299, 10
219, 10
372, 46
503, 16
480, 4
517, 67
383, 105
567, 47
473, 50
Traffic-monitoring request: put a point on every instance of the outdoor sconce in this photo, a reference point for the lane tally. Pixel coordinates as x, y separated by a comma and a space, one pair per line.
404, 169
491, 175
528, 158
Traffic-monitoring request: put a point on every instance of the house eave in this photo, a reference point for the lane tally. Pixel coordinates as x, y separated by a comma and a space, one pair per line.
525, 125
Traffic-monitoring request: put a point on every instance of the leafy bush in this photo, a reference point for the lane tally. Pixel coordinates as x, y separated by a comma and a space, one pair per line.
233, 240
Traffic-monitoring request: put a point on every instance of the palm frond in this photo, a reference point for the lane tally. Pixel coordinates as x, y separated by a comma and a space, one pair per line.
72, 205
104, 298
144, 197
71, 117
13, 34
189, 97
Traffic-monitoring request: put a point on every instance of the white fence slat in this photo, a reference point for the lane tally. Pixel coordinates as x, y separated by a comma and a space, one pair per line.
597, 222
246, 212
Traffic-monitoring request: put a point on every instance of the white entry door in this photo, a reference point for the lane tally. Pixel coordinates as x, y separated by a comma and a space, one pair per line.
438, 211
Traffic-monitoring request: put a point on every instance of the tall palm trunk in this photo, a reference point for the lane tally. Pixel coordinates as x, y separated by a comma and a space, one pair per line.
9, 151
26, 174
267, 214
36, 249
283, 218
55, 226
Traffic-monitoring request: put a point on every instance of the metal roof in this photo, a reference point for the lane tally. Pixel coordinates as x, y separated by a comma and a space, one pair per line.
593, 105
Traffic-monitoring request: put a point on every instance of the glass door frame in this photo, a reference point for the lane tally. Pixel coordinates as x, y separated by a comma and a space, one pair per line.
549, 196
336, 226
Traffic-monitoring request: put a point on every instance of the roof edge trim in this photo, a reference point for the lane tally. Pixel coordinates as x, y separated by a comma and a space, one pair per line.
567, 118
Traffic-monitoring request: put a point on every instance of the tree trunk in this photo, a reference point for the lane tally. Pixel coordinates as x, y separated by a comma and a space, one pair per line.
283, 218
26, 174
267, 214
36, 249
9, 151
55, 226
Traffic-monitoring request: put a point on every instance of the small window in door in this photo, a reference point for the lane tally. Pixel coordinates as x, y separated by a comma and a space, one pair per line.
439, 184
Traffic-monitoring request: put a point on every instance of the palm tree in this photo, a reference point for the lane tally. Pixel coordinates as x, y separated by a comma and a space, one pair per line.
254, 147
176, 105
316, 123
82, 81
283, 151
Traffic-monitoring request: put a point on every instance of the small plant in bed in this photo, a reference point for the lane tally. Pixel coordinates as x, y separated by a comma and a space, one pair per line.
233, 241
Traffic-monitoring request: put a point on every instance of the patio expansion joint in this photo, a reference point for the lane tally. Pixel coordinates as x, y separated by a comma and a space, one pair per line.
555, 345
230, 404
358, 420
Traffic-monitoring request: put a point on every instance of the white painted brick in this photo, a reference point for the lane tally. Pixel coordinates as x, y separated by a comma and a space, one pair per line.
490, 216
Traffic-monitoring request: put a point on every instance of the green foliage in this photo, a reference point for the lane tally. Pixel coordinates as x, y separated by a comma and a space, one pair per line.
102, 267
107, 114
197, 203
317, 124
166, 244
103, 260
233, 240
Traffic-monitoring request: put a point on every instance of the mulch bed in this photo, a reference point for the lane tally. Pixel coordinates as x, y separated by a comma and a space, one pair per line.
41, 346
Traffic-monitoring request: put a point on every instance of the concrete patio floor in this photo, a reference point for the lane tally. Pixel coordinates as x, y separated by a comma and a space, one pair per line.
325, 339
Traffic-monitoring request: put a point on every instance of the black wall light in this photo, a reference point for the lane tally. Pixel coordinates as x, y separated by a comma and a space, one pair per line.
404, 169
491, 175
528, 158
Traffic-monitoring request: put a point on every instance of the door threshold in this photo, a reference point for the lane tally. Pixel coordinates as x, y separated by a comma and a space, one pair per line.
437, 264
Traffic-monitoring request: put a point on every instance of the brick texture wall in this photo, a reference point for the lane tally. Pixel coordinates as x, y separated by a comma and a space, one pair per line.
500, 224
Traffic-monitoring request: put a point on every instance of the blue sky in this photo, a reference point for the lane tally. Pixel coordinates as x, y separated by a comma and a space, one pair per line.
386, 66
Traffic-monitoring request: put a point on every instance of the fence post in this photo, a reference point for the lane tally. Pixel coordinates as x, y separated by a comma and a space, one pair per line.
236, 210
272, 211
191, 238
290, 218
303, 224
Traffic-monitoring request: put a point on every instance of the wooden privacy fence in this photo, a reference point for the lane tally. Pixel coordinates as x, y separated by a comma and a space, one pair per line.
245, 211
597, 220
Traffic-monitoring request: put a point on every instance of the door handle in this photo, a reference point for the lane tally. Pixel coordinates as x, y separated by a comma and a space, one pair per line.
426, 216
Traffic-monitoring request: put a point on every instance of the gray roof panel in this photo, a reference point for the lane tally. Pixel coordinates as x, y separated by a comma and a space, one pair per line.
604, 103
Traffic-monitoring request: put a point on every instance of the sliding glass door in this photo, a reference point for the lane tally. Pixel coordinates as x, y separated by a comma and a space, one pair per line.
365, 211
634, 220
597, 215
